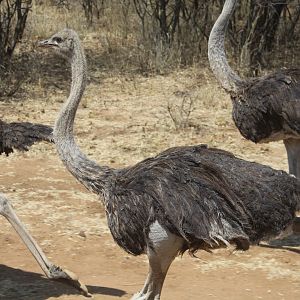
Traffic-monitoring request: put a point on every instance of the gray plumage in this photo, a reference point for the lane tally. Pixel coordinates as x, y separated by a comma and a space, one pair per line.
185, 198
264, 109
268, 108
21, 135
204, 195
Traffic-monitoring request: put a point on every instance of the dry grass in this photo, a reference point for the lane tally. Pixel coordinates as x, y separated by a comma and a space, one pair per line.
47, 19
117, 107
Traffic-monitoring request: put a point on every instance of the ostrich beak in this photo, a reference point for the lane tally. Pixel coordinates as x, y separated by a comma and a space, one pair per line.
46, 43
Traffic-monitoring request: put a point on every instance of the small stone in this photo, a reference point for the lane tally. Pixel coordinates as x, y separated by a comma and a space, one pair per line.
82, 234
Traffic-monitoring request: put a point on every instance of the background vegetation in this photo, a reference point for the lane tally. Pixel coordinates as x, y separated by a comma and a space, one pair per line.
147, 36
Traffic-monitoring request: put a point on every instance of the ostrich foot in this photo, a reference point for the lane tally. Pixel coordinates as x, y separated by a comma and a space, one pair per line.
68, 277
51, 271
143, 296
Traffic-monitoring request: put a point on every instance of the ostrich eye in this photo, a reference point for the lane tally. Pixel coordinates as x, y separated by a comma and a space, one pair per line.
57, 39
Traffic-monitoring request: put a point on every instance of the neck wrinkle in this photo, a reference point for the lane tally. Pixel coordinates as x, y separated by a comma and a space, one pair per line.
86, 171
228, 79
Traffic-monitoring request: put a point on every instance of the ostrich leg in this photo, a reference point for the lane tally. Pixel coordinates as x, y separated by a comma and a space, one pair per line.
296, 225
293, 153
52, 271
162, 248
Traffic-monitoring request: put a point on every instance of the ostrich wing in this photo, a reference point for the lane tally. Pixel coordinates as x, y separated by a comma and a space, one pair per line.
184, 194
21, 135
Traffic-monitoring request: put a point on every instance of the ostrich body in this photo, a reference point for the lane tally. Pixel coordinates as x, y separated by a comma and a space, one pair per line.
20, 136
264, 109
185, 198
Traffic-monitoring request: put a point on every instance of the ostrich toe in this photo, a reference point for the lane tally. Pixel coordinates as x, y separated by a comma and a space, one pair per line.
70, 278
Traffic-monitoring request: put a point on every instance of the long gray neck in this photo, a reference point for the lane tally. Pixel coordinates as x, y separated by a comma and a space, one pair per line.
88, 172
228, 79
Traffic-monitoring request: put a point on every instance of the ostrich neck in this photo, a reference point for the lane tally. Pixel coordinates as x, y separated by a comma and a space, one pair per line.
228, 79
88, 172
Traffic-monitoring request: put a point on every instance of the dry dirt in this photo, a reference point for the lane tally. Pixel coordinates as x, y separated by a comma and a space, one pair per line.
121, 121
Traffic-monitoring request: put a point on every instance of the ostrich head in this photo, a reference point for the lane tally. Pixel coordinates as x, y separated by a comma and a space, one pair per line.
63, 42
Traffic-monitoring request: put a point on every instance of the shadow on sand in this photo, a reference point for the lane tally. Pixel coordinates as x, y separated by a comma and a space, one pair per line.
287, 243
18, 284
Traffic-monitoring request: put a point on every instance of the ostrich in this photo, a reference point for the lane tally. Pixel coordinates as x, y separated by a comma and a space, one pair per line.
20, 136
264, 109
183, 199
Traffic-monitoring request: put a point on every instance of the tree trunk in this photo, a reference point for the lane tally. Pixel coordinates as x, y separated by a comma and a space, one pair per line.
259, 34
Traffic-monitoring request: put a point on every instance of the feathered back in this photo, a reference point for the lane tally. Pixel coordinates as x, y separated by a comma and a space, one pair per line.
21, 135
268, 108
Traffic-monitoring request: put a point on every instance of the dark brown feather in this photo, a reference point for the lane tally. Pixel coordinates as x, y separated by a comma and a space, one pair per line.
207, 196
21, 135
268, 108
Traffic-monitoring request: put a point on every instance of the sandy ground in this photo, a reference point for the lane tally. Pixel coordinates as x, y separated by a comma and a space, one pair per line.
121, 121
